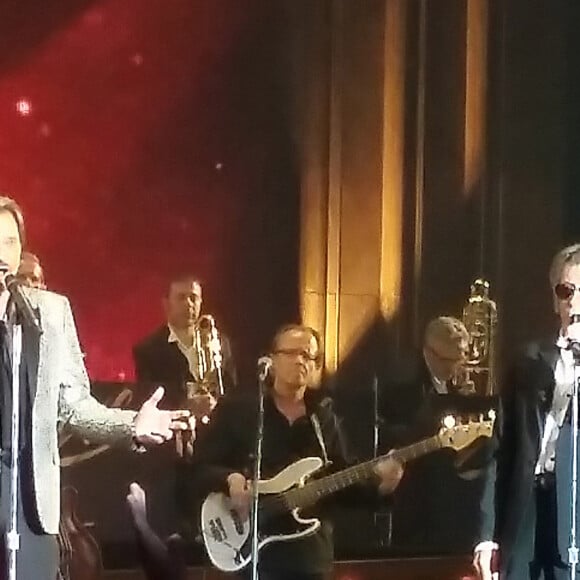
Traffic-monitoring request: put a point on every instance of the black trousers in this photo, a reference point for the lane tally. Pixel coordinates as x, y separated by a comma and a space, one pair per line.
536, 556
37, 558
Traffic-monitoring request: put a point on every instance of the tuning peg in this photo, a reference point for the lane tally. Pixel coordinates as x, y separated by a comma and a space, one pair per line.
449, 421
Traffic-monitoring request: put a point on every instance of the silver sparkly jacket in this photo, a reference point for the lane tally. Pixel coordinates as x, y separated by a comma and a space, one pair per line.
60, 386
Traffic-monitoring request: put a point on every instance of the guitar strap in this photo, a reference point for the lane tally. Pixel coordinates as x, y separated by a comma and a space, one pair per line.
318, 431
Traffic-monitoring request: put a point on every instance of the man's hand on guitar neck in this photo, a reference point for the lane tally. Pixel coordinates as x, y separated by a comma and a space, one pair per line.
390, 472
240, 493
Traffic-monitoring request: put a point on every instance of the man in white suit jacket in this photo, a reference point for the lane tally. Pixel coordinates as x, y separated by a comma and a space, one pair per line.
55, 392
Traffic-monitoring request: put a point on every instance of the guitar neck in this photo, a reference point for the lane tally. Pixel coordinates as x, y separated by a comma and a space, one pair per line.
316, 490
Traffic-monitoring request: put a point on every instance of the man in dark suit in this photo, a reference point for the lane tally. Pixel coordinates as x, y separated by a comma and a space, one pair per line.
170, 355
431, 508
525, 510
428, 372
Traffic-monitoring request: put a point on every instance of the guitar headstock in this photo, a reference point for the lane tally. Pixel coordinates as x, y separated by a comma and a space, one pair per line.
459, 434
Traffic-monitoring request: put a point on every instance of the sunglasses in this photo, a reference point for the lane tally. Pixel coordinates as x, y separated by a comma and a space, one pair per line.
297, 352
565, 290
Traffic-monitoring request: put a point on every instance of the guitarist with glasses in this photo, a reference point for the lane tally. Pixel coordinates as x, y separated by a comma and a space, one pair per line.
298, 423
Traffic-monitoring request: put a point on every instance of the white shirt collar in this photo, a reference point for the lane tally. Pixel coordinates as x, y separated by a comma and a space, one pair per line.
4, 297
172, 336
439, 385
562, 341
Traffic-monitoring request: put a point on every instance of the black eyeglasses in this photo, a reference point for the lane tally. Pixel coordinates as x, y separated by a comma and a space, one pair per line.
565, 290
456, 359
297, 351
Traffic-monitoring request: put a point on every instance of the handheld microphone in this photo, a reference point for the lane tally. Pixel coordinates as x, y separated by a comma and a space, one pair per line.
264, 366
21, 301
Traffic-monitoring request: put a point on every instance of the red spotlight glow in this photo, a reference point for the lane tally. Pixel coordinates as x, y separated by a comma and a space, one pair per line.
137, 59
23, 107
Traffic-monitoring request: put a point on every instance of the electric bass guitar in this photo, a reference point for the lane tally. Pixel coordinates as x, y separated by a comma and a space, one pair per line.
227, 537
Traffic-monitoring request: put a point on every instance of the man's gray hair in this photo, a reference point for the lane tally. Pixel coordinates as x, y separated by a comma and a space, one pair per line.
565, 257
446, 329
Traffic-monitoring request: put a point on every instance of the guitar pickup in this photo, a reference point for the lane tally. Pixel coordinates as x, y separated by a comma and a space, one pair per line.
217, 530
237, 521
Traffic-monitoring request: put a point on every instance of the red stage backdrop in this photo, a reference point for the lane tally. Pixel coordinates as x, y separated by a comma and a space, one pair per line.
144, 137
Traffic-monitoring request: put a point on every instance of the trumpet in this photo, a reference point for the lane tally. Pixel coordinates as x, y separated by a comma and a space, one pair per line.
209, 355
208, 386
477, 374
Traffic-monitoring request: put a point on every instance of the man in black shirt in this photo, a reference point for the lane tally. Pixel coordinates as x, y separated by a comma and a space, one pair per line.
297, 424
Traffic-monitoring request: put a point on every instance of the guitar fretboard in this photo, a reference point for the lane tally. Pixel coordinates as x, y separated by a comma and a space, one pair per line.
318, 489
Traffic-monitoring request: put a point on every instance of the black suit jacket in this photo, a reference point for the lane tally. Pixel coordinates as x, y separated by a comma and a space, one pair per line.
433, 506
159, 362
411, 408
404, 390
508, 492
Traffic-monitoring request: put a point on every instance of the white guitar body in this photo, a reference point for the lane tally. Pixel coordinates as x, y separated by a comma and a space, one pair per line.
227, 538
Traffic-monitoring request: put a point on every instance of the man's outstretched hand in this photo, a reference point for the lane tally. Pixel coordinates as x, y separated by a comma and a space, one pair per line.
154, 426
